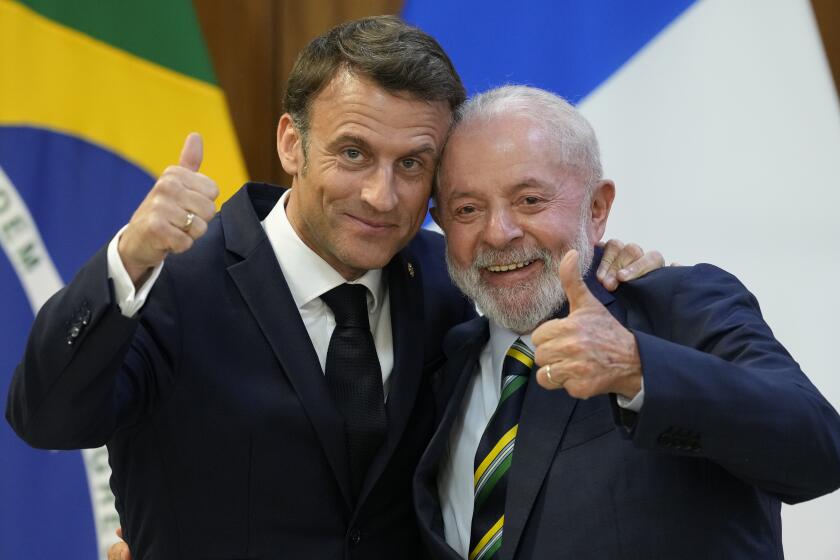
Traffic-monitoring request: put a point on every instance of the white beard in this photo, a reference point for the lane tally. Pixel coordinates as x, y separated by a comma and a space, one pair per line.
520, 308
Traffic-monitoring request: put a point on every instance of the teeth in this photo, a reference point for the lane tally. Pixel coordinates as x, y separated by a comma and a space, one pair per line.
507, 267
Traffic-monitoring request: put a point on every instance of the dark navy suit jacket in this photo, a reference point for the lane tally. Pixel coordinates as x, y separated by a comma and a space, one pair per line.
223, 438
730, 428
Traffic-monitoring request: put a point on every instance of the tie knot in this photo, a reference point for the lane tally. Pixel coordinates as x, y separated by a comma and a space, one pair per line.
519, 359
349, 305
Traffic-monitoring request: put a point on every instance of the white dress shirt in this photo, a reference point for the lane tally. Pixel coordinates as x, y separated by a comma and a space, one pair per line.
307, 275
455, 480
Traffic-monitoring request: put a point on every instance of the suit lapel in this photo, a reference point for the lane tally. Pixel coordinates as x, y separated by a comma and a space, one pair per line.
462, 348
461, 364
542, 424
262, 285
407, 318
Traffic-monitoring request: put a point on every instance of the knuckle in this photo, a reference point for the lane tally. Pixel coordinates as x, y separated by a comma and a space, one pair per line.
157, 203
208, 211
572, 346
182, 244
574, 390
213, 190
581, 389
156, 225
543, 382
166, 186
657, 258
614, 244
198, 229
633, 250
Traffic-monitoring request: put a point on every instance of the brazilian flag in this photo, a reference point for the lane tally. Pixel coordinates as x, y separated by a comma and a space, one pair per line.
96, 98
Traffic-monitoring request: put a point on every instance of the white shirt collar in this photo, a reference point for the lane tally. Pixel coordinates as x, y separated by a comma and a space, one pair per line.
500, 340
307, 274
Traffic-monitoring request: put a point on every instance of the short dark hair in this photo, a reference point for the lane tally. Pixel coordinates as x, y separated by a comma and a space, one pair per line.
395, 55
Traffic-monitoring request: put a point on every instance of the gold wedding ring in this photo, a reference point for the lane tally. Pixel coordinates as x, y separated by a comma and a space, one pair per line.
188, 222
548, 374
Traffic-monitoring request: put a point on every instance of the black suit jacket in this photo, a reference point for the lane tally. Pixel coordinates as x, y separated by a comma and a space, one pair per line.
730, 428
223, 438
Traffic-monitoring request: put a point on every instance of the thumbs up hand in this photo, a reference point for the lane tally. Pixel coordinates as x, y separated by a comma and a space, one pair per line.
173, 215
587, 353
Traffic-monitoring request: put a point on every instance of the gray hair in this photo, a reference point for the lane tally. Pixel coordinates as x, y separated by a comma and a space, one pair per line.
572, 135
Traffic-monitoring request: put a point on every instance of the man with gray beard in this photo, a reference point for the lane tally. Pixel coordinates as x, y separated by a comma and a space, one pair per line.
682, 424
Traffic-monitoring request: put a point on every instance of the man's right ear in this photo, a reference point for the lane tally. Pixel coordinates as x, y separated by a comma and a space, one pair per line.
289, 145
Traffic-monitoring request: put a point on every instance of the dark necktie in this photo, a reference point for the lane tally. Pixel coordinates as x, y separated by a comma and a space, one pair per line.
355, 378
494, 455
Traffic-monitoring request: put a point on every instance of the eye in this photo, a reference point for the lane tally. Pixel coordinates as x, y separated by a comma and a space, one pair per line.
410, 164
353, 154
531, 200
465, 210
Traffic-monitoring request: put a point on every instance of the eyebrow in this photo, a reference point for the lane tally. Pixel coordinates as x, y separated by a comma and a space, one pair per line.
526, 183
460, 194
349, 139
424, 149
529, 182
365, 145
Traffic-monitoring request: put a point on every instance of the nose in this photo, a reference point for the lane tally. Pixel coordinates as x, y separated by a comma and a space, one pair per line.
502, 228
379, 190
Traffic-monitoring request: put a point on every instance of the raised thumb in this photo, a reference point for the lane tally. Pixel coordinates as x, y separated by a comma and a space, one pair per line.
192, 152
576, 290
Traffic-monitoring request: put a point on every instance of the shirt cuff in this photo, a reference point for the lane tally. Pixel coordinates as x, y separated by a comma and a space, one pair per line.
634, 404
128, 298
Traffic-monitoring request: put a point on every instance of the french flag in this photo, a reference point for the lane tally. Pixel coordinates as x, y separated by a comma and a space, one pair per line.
720, 124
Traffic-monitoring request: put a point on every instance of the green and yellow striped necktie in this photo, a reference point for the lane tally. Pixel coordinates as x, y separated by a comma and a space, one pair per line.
495, 454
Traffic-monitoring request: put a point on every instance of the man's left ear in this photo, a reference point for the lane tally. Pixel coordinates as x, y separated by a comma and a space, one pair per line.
289, 145
603, 195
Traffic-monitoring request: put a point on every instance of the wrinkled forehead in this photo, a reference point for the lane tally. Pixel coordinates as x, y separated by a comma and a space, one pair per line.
505, 150
498, 133
358, 106
488, 147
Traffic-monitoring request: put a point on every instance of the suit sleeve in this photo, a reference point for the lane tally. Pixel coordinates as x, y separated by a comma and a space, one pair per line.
87, 370
718, 385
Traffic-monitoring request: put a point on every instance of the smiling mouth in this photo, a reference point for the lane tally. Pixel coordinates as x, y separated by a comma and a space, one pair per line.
371, 224
509, 267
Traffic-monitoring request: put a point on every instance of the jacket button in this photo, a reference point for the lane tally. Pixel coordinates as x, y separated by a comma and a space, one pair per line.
355, 537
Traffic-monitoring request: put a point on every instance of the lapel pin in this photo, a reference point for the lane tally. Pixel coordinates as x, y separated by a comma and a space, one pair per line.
411, 270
